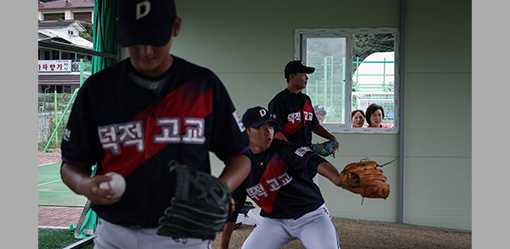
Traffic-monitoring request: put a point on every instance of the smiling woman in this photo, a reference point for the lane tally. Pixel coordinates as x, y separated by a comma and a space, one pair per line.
358, 119
375, 116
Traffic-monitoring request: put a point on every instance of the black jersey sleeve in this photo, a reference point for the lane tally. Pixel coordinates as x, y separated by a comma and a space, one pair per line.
239, 196
301, 159
80, 142
315, 120
228, 138
277, 111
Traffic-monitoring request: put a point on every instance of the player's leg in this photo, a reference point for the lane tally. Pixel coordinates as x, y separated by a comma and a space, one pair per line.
111, 236
318, 231
155, 241
268, 234
149, 238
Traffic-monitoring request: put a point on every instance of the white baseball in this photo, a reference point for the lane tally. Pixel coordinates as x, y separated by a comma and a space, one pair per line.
117, 185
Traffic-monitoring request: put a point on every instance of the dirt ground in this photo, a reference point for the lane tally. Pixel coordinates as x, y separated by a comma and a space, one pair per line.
46, 158
355, 234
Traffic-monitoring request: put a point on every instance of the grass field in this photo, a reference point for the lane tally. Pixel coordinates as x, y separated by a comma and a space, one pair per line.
57, 238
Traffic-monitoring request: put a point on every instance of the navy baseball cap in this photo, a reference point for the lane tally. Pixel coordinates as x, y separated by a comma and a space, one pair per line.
147, 22
256, 117
297, 67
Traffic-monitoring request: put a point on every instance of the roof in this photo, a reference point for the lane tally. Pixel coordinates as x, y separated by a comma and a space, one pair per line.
55, 23
60, 34
56, 43
66, 4
59, 30
59, 79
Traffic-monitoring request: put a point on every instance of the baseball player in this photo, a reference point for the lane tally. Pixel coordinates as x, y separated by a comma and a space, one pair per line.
281, 184
135, 117
294, 110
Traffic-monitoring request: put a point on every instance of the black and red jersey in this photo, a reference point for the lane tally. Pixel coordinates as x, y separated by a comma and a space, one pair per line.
294, 112
281, 181
136, 131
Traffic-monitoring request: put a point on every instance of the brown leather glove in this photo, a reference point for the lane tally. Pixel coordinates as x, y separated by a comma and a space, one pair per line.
365, 178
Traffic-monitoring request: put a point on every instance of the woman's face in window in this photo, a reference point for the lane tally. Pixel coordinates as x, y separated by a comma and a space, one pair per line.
358, 120
376, 118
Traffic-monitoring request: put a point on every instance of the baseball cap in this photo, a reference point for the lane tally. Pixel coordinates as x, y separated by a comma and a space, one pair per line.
297, 67
147, 22
256, 117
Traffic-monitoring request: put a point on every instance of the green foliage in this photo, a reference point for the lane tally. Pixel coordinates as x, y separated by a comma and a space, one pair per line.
87, 34
46, 101
57, 238
366, 44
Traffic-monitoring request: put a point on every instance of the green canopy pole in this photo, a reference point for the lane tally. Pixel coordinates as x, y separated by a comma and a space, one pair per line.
55, 118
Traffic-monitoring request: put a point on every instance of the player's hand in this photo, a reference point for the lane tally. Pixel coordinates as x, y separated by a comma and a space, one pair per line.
335, 148
89, 187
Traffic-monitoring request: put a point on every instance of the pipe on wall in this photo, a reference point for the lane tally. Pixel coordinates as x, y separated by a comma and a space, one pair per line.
402, 80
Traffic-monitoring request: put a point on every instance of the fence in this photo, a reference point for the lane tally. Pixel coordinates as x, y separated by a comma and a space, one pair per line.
373, 81
52, 108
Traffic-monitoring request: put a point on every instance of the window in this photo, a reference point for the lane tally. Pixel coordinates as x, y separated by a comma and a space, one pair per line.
68, 56
354, 68
50, 88
57, 88
84, 56
83, 16
54, 16
55, 55
47, 55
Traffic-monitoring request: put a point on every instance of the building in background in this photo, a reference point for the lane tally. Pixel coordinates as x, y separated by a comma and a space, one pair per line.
61, 49
82, 10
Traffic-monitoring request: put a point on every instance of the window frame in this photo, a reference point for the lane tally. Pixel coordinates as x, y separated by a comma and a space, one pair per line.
300, 36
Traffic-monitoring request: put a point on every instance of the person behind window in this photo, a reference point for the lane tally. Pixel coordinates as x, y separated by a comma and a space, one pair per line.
375, 115
320, 112
358, 118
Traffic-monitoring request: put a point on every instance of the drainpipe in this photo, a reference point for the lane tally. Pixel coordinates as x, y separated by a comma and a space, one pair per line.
402, 81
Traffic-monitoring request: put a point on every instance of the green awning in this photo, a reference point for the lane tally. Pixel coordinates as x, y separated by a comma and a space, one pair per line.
104, 33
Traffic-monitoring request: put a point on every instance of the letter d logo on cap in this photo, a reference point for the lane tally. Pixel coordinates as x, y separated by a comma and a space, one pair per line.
142, 9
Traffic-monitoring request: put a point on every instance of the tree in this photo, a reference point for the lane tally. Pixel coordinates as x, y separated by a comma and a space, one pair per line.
367, 44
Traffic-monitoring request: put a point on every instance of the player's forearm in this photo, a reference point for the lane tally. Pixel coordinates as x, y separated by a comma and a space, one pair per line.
73, 176
225, 235
235, 171
329, 171
321, 131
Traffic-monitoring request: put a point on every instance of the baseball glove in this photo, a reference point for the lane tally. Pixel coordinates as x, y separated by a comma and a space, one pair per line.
365, 178
200, 207
325, 149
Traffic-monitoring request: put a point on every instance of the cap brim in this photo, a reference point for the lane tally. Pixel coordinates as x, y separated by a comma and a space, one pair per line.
264, 121
156, 36
308, 69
